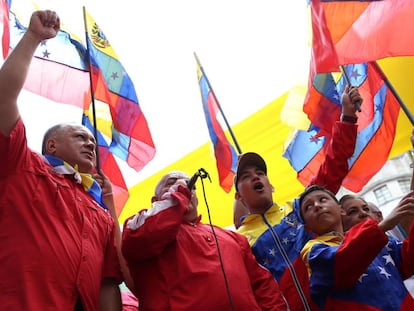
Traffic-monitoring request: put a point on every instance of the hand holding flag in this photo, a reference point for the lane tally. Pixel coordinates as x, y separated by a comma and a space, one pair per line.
376, 126
351, 101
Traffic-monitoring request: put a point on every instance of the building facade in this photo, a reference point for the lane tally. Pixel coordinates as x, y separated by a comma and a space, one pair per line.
389, 185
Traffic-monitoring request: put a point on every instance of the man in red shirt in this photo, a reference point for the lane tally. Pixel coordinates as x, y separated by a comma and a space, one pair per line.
58, 250
176, 263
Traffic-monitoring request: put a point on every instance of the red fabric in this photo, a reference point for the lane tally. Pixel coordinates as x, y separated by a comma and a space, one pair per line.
112, 170
376, 127
322, 103
289, 290
4, 16
371, 136
129, 301
353, 252
129, 120
349, 274
407, 252
57, 82
330, 165
223, 150
63, 76
57, 243
353, 32
176, 266
343, 305
226, 157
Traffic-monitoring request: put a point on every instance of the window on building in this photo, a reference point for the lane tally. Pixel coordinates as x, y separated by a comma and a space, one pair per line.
383, 195
405, 185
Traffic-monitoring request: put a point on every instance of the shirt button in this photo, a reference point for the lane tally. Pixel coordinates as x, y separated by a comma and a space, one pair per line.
84, 257
85, 235
79, 198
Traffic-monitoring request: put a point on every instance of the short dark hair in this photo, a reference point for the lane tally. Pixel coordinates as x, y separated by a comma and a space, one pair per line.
347, 197
49, 133
312, 189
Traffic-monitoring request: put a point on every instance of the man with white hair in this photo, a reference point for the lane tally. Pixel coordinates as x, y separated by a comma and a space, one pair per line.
179, 263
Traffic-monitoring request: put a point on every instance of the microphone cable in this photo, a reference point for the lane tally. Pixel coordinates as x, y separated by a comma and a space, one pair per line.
202, 173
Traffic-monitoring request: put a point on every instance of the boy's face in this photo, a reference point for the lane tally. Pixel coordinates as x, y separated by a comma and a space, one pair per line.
321, 213
355, 211
254, 189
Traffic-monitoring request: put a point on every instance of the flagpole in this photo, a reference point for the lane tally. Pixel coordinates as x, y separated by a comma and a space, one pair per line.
394, 92
219, 107
95, 127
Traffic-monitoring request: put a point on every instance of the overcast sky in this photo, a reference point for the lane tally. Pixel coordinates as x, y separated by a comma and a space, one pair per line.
252, 52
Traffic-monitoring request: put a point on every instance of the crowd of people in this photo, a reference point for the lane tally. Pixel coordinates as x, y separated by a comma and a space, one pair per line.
63, 248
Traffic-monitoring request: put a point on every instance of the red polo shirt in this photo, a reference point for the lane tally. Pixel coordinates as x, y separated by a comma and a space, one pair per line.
57, 243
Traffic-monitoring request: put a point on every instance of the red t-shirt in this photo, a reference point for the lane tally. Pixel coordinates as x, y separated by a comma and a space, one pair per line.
57, 242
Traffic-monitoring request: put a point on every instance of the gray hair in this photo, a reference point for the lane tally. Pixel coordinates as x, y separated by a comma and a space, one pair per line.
54, 130
172, 174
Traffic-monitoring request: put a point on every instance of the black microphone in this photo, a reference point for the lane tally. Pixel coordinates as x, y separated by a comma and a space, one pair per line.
192, 181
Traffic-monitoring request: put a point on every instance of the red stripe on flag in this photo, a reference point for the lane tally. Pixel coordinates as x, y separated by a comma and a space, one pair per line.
353, 32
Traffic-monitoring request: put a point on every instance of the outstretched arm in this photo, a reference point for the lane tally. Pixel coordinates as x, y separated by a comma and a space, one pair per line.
341, 145
43, 25
404, 209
